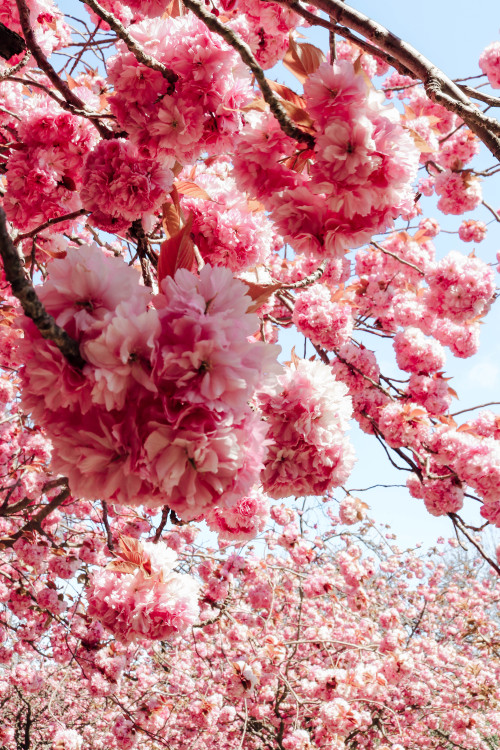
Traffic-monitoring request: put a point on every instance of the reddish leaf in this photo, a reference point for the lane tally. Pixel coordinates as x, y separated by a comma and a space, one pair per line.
121, 566
287, 94
192, 190
255, 205
299, 116
421, 236
177, 252
171, 219
303, 59
131, 550
68, 182
258, 104
71, 81
260, 293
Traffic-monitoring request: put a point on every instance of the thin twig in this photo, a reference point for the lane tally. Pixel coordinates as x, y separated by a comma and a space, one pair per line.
473, 408
458, 524
396, 257
49, 223
134, 47
43, 64
491, 210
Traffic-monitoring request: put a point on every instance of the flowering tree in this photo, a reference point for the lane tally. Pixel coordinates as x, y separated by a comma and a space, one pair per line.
164, 216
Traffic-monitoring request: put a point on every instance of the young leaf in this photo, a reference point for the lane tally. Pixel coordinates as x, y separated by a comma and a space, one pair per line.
177, 252
191, 190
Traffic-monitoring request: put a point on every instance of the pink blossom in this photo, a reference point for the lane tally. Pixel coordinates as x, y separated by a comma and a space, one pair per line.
460, 288
489, 62
242, 521
416, 353
153, 602
325, 322
472, 231
459, 192
307, 423
119, 186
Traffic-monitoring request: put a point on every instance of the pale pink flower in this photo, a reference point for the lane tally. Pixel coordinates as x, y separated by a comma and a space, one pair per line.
489, 62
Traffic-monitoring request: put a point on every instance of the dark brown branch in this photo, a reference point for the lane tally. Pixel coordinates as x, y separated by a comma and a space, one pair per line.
248, 58
137, 232
35, 523
43, 64
23, 289
343, 31
49, 223
132, 45
105, 521
15, 68
164, 518
458, 524
492, 101
438, 86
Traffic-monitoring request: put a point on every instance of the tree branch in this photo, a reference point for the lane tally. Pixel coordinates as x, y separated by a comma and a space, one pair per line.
438, 86
49, 223
248, 58
35, 522
458, 524
43, 64
23, 289
132, 45
137, 232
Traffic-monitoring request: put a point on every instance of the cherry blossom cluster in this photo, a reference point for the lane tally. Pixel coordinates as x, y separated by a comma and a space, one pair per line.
142, 597
120, 187
308, 418
363, 164
201, 113
45, 174
160, 413
225, 229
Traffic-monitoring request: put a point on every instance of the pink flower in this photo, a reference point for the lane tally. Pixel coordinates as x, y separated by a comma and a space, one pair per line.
307, 421
243, 521
119, 186
459, 191
472, 231
416, 353
460, 288
489, 62
149, 600
325, 322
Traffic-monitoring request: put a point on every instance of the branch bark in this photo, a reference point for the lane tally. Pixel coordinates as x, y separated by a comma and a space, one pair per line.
438, 86
43, 64
36, 521
23, 289
132, 45
248, 58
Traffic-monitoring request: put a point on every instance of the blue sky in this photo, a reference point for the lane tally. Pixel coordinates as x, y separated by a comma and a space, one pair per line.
452, 37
